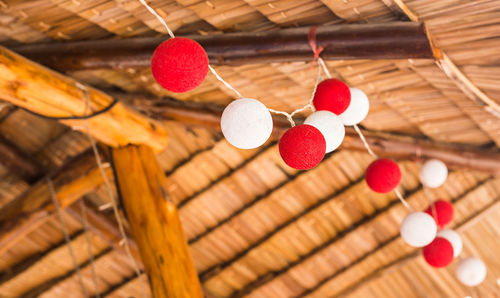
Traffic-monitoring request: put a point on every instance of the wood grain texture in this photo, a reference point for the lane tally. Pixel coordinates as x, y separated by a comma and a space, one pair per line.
43, 91
155, 223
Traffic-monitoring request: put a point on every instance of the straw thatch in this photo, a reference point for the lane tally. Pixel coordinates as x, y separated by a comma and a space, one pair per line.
257, 228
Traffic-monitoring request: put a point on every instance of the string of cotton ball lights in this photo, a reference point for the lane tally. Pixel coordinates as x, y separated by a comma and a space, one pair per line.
181, 64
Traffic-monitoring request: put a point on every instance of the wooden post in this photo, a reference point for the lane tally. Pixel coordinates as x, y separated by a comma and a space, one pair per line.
155, 223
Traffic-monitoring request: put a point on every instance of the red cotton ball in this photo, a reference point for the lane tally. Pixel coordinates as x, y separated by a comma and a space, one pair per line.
439, 253
444, 212
302, 147
179, 64
383, 175
332, 95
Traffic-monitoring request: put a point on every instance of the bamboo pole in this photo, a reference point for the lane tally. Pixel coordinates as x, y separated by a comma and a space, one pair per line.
155, 223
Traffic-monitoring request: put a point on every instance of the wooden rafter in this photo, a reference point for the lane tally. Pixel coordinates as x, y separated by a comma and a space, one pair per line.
45, 92
397, 40
389, 145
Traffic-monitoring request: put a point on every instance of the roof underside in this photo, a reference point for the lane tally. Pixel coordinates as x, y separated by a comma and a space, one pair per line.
255, 226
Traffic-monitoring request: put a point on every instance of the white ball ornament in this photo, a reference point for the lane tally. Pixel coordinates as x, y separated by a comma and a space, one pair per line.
357, 109
454, 238
433, 173
418, 229
246, 123
471, 271
330, 127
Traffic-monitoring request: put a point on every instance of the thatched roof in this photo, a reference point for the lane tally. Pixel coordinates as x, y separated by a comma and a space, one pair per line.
256, 227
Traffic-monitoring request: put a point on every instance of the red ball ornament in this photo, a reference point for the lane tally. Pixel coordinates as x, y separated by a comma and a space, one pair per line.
302, 147
179, 64
444, 212
439, 253
332, 95
383, 175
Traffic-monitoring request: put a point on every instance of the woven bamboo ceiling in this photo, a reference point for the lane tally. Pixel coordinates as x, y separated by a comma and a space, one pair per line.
256, 227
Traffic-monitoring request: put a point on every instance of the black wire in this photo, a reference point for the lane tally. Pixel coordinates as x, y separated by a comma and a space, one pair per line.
112, 104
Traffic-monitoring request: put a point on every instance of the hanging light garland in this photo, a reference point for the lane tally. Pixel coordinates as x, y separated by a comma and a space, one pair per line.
181, 64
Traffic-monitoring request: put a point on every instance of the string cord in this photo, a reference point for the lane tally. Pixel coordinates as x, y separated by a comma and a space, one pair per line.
162, 21
67, 239
365, 143
111, 196
431, 203
309, 105
89, 248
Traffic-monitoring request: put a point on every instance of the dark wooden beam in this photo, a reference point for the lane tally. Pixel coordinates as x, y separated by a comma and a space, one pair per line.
397, 40
155, 223
384, 144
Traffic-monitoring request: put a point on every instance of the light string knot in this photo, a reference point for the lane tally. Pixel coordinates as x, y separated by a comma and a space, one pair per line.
312, 42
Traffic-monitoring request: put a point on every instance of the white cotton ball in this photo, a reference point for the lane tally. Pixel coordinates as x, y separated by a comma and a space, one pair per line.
246, 123
471, 271
418, 229
357, 109
433, 173
454, 238
330, 126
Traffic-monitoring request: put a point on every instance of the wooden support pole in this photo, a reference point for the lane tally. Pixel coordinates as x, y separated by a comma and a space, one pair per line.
28, 211
396, 40
155, 223
383, 144
45, 92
